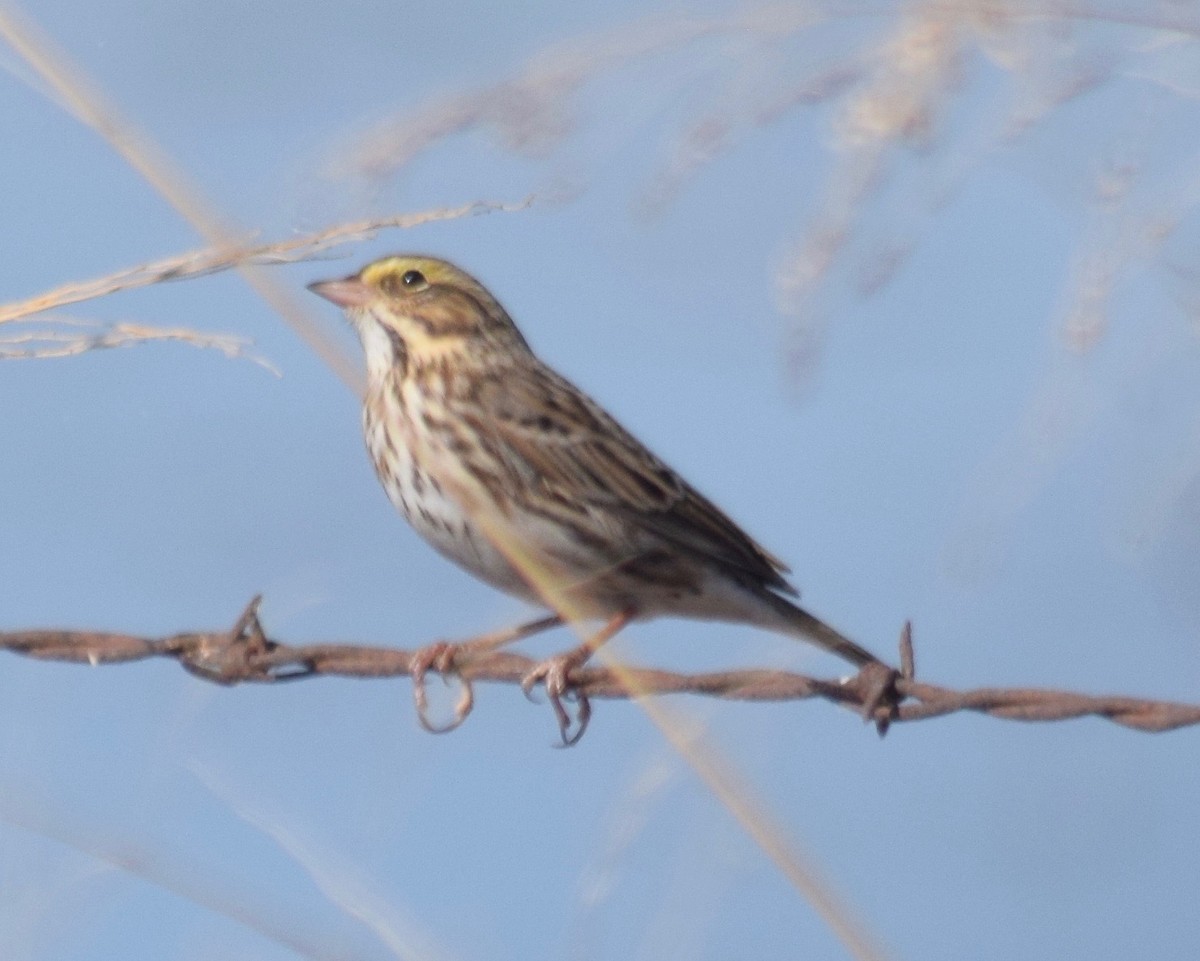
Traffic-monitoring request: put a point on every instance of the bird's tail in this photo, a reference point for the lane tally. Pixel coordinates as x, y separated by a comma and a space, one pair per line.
799, 623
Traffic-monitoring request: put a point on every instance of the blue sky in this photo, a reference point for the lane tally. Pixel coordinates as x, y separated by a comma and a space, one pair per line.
921, 432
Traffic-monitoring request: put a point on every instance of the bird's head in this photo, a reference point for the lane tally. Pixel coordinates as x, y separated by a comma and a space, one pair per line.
412, 311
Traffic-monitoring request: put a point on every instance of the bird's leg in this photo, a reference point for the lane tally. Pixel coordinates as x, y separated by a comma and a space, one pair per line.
554, 671
442, 656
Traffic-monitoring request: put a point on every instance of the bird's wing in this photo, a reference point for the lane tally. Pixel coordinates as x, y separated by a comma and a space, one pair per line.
552, 434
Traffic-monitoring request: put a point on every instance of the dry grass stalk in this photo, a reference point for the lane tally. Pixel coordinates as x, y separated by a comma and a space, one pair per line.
201, 263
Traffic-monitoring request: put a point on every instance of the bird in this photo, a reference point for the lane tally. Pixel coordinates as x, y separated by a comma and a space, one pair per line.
517, 475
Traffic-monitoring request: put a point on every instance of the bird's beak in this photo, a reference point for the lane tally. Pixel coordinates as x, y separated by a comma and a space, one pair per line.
347, 292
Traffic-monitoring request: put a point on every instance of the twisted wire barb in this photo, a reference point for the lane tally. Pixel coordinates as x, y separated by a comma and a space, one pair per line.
244, 654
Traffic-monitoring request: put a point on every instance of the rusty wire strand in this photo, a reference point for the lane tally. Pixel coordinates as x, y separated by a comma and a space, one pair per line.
244, 654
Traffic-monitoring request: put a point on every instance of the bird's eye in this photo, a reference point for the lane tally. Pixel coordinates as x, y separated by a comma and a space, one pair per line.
395, 284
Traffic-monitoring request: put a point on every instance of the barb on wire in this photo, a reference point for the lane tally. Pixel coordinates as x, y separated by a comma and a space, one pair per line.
245, 654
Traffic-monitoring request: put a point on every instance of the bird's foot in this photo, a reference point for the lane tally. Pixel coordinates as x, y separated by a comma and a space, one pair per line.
447, 657
439, 656
554, 674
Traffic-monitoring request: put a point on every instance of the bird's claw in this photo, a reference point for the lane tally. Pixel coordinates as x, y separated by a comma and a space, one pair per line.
553, 675
440, 657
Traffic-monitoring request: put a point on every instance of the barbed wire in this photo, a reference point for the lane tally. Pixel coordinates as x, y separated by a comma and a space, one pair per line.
245, 654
